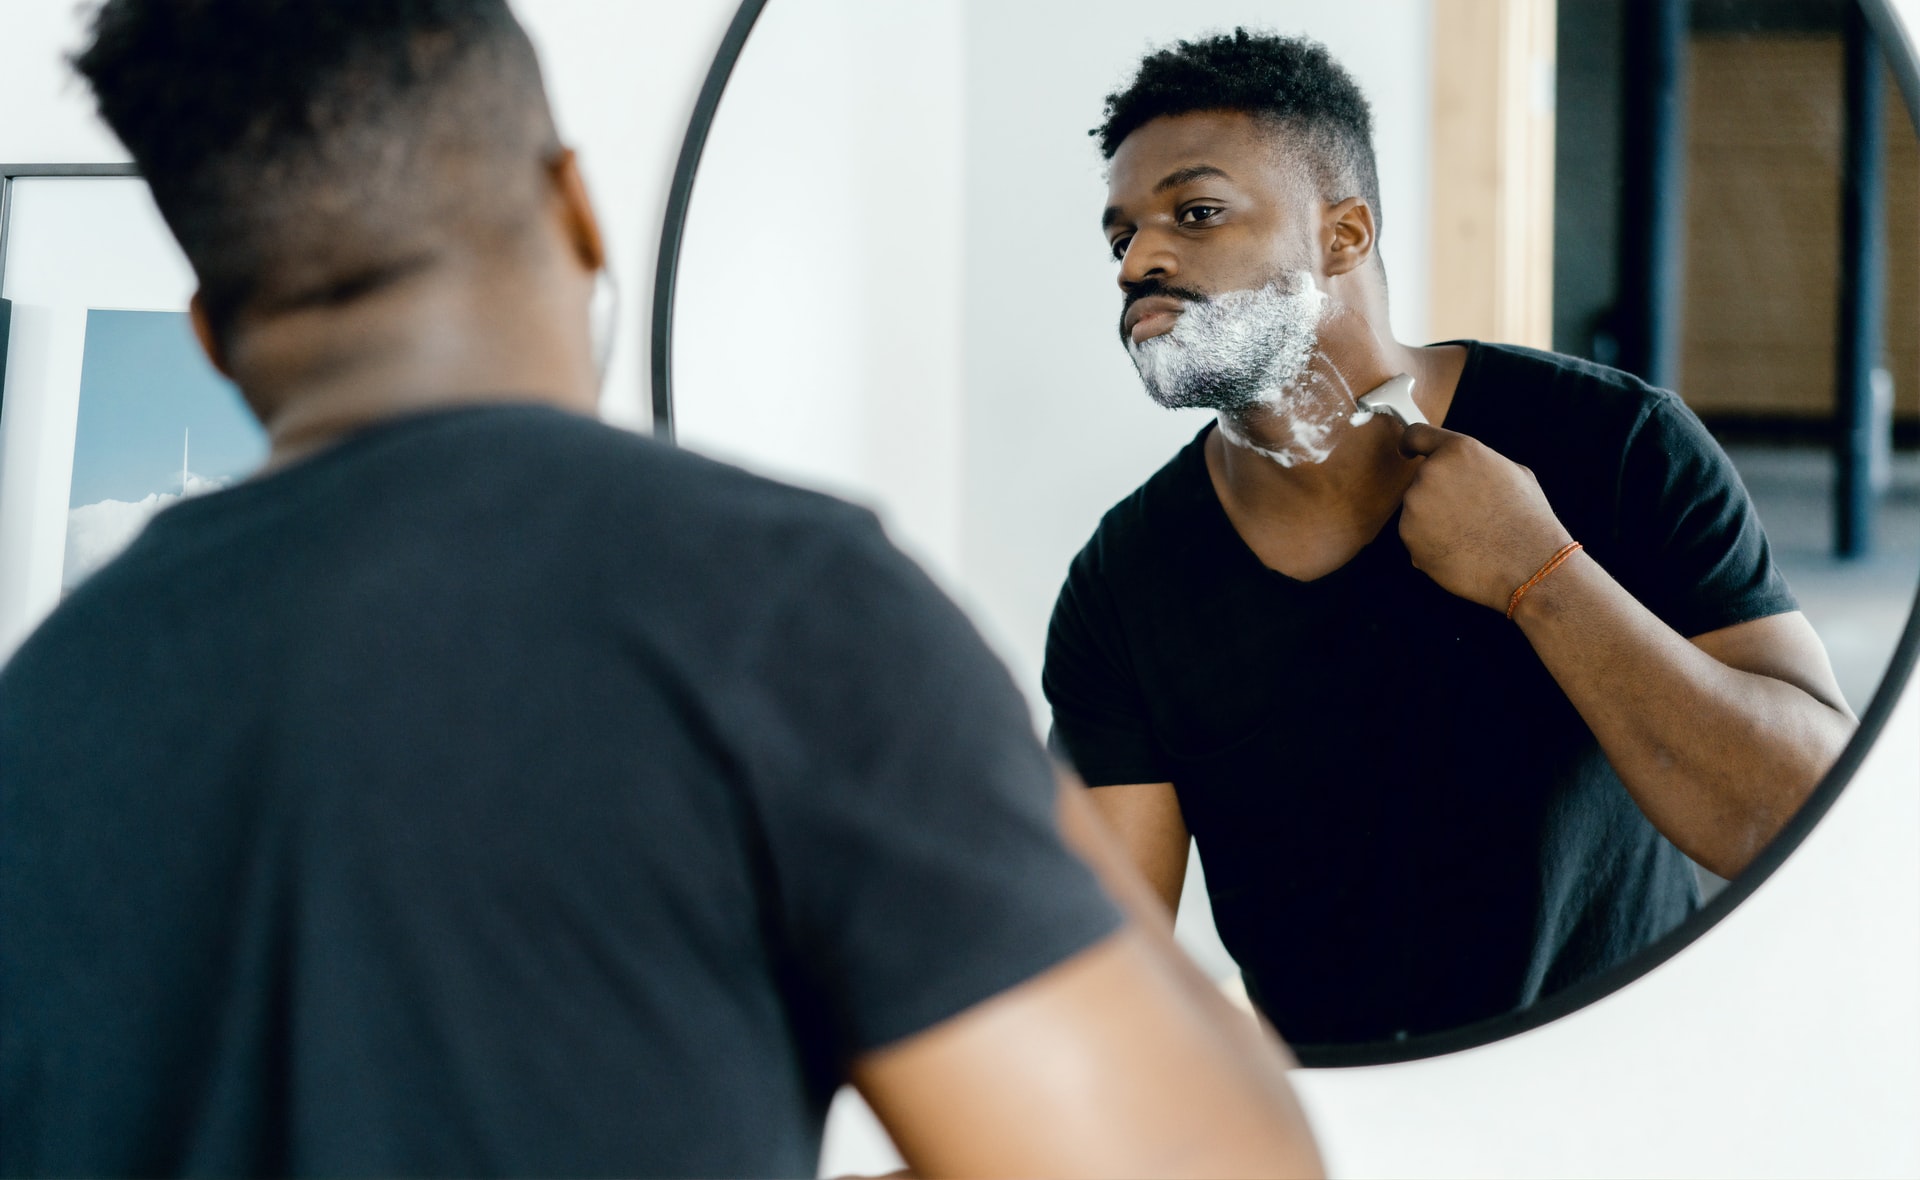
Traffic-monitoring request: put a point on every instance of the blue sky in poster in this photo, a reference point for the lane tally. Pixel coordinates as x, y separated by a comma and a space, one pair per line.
143, 384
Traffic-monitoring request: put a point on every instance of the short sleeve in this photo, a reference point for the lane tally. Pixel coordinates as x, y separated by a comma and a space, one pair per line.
1100, 720
1692, 547
909, 814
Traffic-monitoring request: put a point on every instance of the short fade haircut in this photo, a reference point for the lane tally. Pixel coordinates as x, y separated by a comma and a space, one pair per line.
303, 151
1290, 82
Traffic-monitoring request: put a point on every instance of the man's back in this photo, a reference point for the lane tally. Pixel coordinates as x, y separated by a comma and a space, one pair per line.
499, 792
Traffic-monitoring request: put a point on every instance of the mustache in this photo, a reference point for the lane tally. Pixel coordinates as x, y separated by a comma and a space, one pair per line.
1147, 288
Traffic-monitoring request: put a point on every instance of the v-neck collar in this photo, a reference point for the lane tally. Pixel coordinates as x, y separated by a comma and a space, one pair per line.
1384, 543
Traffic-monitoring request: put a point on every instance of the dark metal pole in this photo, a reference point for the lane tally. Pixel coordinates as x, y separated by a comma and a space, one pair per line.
6, 330
1654, 198
1862, 293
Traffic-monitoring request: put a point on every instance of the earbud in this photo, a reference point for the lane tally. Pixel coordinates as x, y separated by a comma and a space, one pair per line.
603, 315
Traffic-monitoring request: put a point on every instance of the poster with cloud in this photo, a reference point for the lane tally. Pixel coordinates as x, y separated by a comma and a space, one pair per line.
156, 424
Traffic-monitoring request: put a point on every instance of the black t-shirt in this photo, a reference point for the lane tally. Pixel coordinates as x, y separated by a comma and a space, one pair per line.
1405, 824
501, 793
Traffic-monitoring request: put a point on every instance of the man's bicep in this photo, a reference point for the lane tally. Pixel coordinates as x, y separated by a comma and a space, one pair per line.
1146, 819
1104, 1064
1783, 647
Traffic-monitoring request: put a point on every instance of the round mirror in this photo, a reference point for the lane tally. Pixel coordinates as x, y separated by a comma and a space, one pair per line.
896, 275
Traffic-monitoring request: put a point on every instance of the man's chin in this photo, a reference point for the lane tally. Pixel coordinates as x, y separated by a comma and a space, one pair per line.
1198, 400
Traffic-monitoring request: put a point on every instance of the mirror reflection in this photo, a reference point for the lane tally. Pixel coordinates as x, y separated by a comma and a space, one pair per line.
1459, 713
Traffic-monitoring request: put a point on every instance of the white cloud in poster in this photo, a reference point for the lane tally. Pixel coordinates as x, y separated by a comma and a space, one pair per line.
96, 533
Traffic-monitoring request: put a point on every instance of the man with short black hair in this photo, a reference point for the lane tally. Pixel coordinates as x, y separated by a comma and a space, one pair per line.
1441, 729
483, 790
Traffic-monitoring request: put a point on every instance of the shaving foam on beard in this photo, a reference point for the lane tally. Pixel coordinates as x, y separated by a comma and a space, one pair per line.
1236, 351
1248, 355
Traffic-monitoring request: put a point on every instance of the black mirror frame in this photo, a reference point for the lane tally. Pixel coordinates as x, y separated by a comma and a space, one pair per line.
667, 270
1899, 57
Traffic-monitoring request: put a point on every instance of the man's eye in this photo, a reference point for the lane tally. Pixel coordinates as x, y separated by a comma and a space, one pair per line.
1193, 213
1119, 246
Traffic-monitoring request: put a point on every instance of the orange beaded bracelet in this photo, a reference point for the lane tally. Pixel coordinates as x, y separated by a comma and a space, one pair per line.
1553, 563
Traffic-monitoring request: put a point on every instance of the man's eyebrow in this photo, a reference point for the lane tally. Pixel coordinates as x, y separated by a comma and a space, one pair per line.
1182, 176
1172, 179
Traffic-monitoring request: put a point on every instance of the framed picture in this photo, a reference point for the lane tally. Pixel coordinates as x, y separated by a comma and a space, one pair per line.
109, 412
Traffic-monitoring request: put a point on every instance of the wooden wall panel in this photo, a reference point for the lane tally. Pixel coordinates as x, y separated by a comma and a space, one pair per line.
1493, 171
1763, 215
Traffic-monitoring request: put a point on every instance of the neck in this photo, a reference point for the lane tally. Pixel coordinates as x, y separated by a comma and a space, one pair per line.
1312, 459
1303, 452
451, 337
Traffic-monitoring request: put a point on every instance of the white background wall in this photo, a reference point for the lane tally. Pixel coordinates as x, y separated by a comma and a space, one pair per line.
1785, 1042
819, 314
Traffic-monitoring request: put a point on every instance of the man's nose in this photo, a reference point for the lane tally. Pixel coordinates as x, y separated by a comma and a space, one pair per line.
1149, 256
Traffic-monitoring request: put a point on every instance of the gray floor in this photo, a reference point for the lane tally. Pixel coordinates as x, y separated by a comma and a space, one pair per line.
1859, 605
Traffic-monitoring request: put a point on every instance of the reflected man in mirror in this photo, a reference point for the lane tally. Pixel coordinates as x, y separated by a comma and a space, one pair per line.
484, 790
1446, 707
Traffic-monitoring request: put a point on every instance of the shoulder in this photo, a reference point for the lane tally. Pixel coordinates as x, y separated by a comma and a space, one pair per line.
1587, 395
638, 472
1526, 400
1527, 372
534, 503
637, 500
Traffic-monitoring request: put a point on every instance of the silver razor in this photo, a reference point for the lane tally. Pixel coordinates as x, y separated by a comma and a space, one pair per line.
1394, 398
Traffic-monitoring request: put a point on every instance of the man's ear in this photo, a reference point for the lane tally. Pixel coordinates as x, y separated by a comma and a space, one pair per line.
203, 331
1348, 233
582, 227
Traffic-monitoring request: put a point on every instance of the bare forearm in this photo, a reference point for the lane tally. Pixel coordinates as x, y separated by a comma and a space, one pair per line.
1244, 1047
1089, 831
1718, 758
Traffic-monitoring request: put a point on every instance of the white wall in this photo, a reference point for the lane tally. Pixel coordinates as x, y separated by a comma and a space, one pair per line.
818, 324
46, 115
623, 77
1784, 1042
